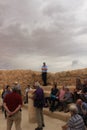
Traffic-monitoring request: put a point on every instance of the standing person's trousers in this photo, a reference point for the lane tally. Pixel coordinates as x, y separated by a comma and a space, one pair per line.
40, 118
16, 118
44, 78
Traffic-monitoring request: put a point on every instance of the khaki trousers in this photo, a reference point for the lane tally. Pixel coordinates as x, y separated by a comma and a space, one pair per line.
40, 118
16, 118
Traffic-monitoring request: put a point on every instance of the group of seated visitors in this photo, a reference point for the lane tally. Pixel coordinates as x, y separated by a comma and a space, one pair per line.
60, 98
81, 98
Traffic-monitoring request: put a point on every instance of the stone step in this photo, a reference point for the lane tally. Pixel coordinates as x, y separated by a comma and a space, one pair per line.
56, 114
48, 88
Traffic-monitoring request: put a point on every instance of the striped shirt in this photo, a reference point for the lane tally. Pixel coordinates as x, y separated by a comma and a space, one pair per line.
76, 123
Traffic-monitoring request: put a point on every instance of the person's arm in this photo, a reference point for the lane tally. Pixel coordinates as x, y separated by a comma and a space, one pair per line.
57, 94
44, 68
12, 113
84, 109
64, 127
17, 109
67, 97
6, 108
68, 125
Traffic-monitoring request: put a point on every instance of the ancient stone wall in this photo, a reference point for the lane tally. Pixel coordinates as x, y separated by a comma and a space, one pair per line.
25, 77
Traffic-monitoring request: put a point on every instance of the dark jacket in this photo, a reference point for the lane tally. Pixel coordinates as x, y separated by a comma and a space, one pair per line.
39, 98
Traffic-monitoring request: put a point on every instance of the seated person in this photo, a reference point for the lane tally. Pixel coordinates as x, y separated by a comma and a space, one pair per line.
82, 109
82, 94
60, 97
84, 91
67, 99
75, 122
53, 96
78, 89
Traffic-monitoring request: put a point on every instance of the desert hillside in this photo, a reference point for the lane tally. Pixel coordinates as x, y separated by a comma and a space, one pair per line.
25, 77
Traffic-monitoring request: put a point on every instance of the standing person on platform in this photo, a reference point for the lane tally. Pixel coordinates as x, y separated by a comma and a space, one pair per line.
38, 97
12, 105
44, 74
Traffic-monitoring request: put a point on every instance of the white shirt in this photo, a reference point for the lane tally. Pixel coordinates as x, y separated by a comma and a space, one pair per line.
44, 68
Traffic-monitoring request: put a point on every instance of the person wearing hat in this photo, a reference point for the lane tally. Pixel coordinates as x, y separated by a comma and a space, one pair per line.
12, 104
75, 122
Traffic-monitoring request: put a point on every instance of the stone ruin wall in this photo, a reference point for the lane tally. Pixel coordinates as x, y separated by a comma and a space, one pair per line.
25, 77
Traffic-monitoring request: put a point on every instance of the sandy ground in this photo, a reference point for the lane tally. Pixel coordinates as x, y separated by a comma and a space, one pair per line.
50, 123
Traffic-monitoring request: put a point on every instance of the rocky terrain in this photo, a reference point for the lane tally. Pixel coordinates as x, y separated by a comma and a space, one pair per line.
25, 77
50, 123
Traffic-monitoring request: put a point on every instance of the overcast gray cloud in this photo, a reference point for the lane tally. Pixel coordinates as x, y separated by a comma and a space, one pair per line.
43, 30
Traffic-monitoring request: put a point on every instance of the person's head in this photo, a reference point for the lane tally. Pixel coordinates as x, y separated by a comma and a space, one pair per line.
78, 81
66, 89
79, 102
44, 63
7, 87
73, 109
15, 83
28, 86
63, 87
37, 84
85, 81
14, 89
55, 85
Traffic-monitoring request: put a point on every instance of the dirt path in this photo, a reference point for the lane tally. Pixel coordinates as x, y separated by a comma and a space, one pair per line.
50, 123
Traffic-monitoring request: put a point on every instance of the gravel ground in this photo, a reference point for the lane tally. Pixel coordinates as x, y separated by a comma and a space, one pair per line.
50, 123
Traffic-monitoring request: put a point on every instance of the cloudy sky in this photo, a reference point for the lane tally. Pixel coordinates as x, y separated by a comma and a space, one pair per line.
37, 31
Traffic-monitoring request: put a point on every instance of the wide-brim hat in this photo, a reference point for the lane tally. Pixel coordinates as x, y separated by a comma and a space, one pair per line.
15, 82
